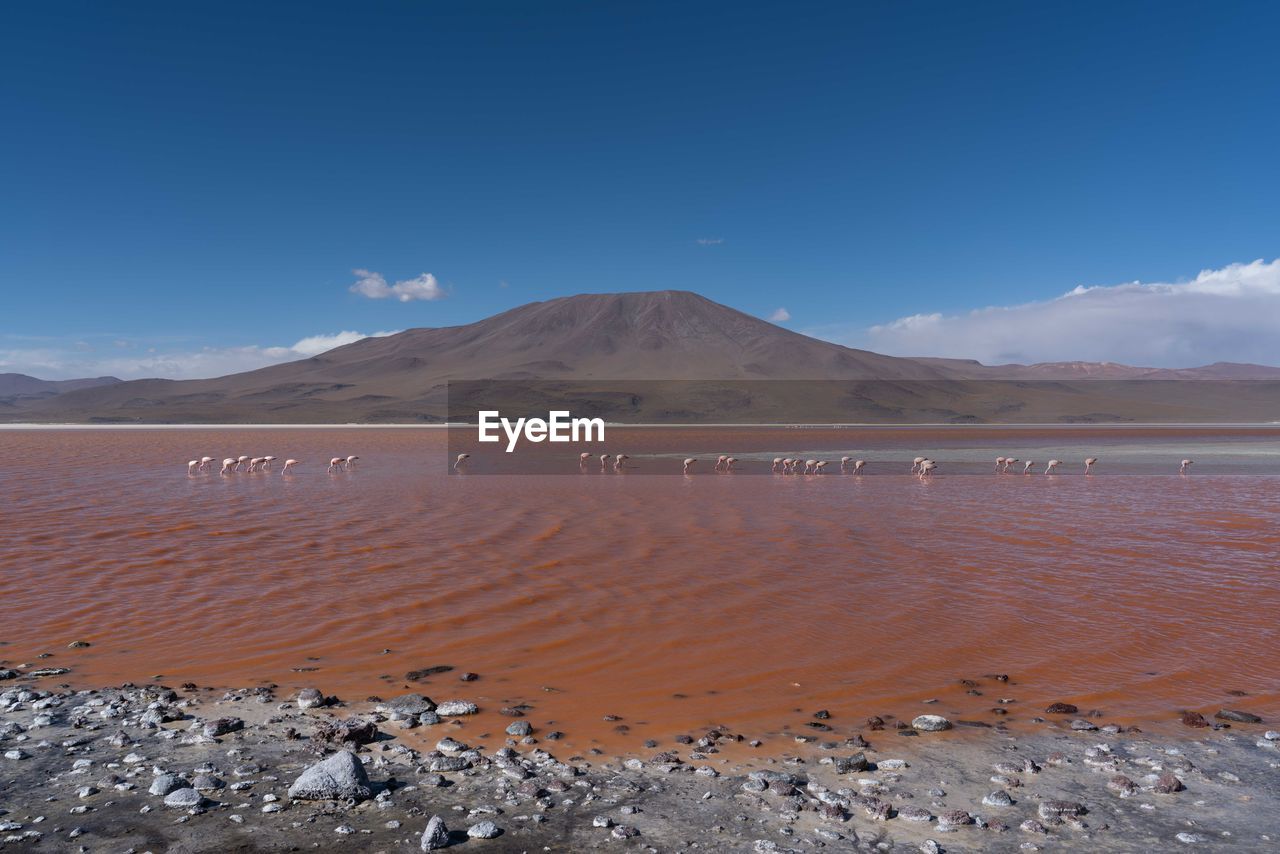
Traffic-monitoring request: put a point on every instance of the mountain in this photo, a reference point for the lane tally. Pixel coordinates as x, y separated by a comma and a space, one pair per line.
19, 389
638, 350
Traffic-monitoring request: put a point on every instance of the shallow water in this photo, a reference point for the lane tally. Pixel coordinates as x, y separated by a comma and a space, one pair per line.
673, 602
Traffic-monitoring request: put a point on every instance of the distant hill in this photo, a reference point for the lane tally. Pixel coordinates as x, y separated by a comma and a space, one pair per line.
639, 339
17, 390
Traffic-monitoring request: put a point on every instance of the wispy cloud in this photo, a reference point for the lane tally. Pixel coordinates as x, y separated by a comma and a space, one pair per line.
779, 315
53, 359
374, 286
1227, 315
710, 241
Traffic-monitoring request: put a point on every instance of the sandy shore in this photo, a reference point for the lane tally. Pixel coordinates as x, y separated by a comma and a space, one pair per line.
149, 768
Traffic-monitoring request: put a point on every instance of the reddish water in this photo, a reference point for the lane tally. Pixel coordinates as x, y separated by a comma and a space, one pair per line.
1136, 591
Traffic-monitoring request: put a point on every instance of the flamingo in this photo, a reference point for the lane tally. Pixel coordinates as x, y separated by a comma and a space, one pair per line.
254, 463
819, 466
193, 466
858, 466
728, 463
810, 466
1053, 464
288, 464
228, 465
688, 463
619, 460
786, 465
1186, 464
336, 463
583, 457
915, 464
999, 463
241, 461
204, 463
1008, 461
266, 463
462, 458
1089, 464
1026, 469
927, 467
604, 461
351, 461
844, 462
720, 460
777, 461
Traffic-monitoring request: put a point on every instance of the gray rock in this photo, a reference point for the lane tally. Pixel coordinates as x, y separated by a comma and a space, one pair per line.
206, 783
310, 698
849, 764
930, 723
222, 726
519, 728
341, 777
450, 708
183, 799
484, 830
1238, 716
436, 835
428, 719
166, 783
998, 798
409, 705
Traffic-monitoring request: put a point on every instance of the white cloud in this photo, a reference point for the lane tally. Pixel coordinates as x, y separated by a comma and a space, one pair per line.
374, 286
1226, 315
710, 241
54, 360
779, 315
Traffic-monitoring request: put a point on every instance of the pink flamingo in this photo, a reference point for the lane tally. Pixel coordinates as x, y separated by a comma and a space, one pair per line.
1089, 464
915, 464
266, 463
1026, 469
229, 465
193, 466
720, 460
205, 462
728, 463
777, 461
288, 464
1186, 464
786, 465
582, 458
927, 467
254, 463
844, 462
810, 466
351, 461
618, 461
604, 462
1008, 461
818, 466
1052, 466
336, 463
858, 466
999, 463
462, 458
241, 461
688, 463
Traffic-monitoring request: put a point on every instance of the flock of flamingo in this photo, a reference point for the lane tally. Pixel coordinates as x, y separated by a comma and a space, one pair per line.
253, 465
921, 466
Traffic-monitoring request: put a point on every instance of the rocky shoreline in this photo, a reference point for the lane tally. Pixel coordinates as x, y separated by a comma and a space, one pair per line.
151, 768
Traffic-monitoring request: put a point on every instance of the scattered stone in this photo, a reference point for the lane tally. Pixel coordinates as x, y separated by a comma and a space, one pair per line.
1191, 838
436, 835
1194, 719
346, 734
222, 726
955, 818
1237, 716
310, 698
408, 705
183, 799
452, 708
930, 723
998, 798
1062, 709
1122, 785
417, 675
341, 777
519, 728
166, 783
1167, 783
484, 830
850, 764
78, 645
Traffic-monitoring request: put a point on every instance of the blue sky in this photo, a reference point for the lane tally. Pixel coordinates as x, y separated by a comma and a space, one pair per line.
187, 189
